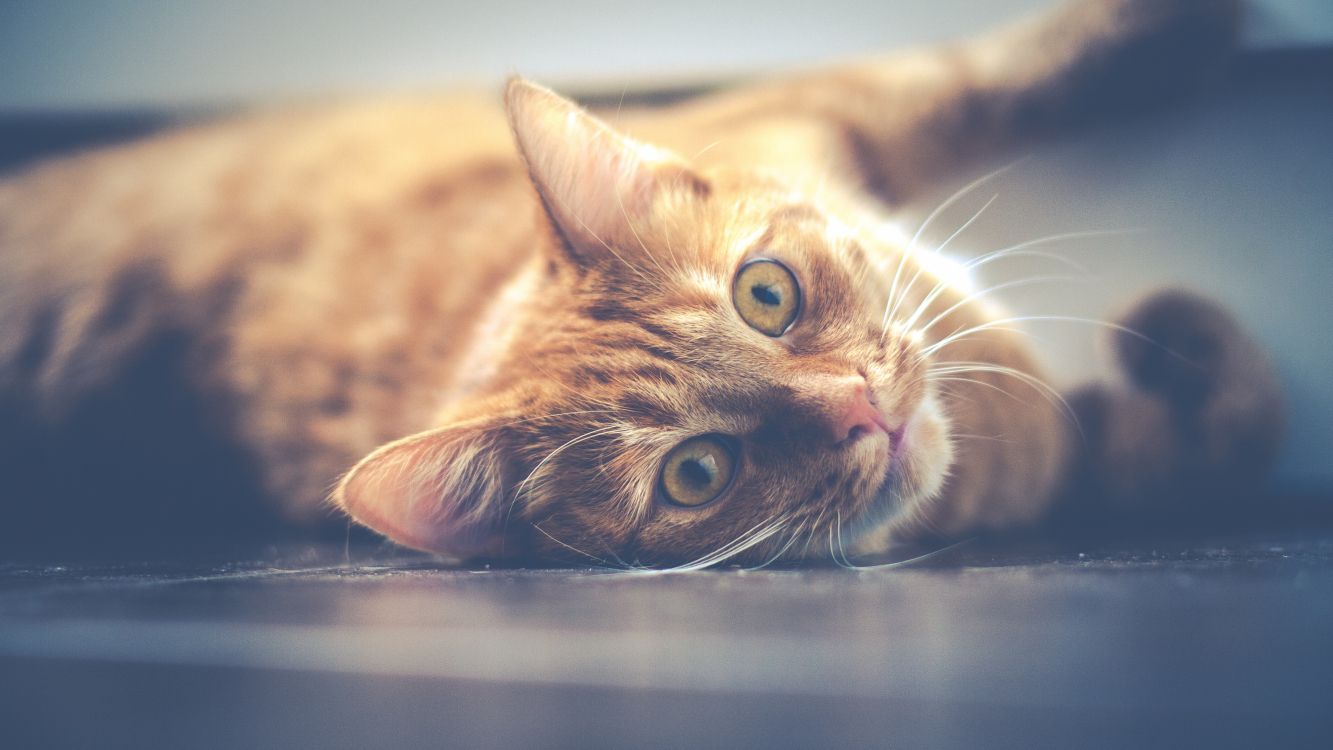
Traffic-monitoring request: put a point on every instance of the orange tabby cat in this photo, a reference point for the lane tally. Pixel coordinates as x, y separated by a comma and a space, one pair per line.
566, 342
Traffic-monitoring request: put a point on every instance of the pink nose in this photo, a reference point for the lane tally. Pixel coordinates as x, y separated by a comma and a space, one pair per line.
854, 414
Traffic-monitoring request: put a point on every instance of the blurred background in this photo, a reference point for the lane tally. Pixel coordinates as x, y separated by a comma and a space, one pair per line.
119, 53
1230, 195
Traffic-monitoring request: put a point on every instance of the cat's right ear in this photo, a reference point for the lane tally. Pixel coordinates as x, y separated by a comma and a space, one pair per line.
596, 184
439, 491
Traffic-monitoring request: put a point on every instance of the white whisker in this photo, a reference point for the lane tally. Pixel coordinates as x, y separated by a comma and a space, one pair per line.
620, 202
706, 149
646, 278
756, 535
938, 251
1020, 250
781, 551
966, 224
914, 560
978, 295
969, 187
522, 486
571, 548
1045, 389
997, 324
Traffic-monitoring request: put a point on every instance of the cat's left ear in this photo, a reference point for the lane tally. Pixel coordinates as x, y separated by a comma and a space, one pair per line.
441, 491
597, 185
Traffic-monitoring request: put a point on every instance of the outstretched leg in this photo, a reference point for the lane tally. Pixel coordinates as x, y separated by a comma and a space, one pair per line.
906, 120
1198, 423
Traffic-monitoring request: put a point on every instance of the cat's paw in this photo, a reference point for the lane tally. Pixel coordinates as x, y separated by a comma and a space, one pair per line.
1178, 345
1199, 424
1191, 354
1138, 53
1205, 29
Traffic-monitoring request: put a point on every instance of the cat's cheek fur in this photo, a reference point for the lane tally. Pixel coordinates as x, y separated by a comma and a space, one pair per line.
928, 452
438, 491
920, 473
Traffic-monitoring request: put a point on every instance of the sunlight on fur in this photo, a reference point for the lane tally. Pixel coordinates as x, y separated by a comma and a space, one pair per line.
656, 338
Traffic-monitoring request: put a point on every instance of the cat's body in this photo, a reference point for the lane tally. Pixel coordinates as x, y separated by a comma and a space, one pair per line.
330, 280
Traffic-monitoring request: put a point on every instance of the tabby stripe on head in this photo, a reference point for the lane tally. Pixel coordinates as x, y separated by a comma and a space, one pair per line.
605, 310
608, 311
650, 411
581, 375
657, 331
655, 373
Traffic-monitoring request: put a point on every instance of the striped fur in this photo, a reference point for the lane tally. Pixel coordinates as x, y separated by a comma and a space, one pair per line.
515, 315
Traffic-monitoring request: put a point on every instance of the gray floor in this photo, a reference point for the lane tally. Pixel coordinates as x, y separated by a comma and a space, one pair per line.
1226, 641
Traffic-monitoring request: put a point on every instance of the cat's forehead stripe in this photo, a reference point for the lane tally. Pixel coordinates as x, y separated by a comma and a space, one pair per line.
798, 213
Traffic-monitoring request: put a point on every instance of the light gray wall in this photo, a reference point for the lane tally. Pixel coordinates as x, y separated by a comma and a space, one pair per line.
56, 53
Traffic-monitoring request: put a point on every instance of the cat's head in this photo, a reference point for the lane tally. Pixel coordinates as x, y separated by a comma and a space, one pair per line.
700, 367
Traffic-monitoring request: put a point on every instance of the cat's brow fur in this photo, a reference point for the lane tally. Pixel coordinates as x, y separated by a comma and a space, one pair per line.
515, 337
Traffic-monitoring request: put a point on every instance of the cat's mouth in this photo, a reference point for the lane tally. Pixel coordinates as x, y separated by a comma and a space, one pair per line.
897, 442
894, 485
907, 478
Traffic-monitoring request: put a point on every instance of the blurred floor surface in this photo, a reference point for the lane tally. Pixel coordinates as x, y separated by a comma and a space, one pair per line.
1227, 642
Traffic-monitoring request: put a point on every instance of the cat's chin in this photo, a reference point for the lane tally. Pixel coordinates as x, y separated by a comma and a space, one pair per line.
915, 477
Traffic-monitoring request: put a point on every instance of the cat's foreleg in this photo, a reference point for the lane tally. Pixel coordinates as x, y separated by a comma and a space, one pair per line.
911, 118
1198, 421
1087, 63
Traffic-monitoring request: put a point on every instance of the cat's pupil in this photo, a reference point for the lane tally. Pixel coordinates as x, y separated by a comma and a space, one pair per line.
766, 295
698, 471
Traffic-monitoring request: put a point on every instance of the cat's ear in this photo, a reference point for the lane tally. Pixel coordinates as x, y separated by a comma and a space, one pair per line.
596, 183
440, 491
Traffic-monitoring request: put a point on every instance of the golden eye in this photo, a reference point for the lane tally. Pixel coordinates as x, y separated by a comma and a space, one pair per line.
698, 470
767, 297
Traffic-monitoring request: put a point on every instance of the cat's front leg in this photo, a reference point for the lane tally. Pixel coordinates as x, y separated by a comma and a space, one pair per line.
1198, 422
911, 119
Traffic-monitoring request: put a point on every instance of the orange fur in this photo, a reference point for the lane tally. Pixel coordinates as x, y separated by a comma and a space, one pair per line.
351, 276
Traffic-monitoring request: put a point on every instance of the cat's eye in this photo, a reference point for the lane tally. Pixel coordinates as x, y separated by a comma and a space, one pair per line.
767, 296
698, 470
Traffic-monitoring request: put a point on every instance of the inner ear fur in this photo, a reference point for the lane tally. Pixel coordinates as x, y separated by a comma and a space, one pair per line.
594, 182
441, 491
